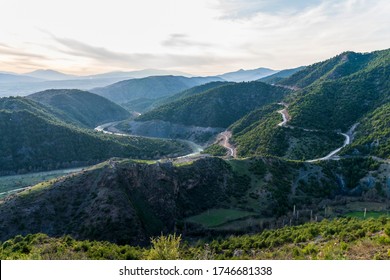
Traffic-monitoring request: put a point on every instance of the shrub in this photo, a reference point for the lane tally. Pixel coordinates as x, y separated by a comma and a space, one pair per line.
387, 230
165, 248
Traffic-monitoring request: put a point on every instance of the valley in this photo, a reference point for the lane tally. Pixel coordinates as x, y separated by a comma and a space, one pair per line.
277, 167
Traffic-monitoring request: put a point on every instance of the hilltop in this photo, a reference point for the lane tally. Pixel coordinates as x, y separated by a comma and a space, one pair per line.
80, 107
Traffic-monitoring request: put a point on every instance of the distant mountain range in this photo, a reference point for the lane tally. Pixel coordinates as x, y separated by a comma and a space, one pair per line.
247, 75
23, 84
153, 87
13, 84
16, 78
278, 76
50, 75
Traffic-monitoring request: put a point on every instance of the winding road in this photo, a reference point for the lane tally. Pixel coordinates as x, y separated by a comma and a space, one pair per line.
196, 149
332, 154
226, 135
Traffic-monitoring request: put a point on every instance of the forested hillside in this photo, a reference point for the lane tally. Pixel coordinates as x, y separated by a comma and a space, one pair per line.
218, 107
373, 134
34, 139
342, 65
150, 87
80, 107
205, 196
354, 87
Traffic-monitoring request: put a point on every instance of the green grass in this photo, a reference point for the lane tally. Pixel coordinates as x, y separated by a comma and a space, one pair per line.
217, 217
369, 214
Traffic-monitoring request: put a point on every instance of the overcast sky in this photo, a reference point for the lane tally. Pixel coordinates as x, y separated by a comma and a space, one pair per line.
201, 37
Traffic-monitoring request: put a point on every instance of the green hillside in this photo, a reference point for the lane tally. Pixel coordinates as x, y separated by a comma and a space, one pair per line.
218, 107
81, 107
150, 87
122, 201
258, 133
358, 85
145, 104
191, 91
205, 196
32, 139
339, 104
342, 65
373, 134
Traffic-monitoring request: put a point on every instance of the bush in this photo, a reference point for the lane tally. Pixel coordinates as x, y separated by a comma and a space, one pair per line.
165, 248
387, 230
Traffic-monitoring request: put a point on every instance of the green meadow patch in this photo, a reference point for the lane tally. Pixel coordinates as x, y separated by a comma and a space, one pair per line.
217, 217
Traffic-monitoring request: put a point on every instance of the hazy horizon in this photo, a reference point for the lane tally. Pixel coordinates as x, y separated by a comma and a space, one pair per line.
196, 37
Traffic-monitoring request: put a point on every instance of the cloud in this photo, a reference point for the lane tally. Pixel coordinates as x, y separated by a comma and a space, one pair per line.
182, 40
136, 60
6, 50
243, 9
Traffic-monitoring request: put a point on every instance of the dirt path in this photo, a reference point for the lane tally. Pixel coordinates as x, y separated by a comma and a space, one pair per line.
223, 139
109, 128
348, 135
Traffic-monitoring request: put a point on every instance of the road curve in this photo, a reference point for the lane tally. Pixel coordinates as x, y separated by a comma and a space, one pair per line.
347, 141
196, 149
225, 143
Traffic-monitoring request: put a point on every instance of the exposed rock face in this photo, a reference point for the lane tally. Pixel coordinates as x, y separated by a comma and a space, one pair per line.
163, 129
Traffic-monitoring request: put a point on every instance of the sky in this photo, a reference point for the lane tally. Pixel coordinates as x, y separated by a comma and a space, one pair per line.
201, 37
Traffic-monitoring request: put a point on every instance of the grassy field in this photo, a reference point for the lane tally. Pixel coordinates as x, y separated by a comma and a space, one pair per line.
217, 217
11, 184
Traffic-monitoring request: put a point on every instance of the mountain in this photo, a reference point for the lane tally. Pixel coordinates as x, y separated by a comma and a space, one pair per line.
33, 139
342, 65
146, 104
258, 133
139, 74
278, 76
142, 105
50, 75
15, 78
217, 107
127, 202
151, 87
349, 93
25, 88
81, 107
40, 80
338, 103
247, 75
190, 92
121, 200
